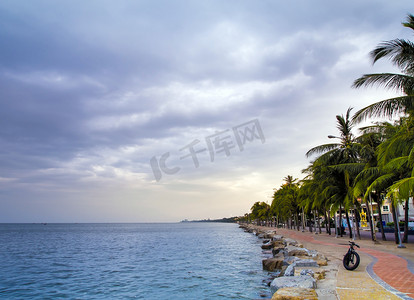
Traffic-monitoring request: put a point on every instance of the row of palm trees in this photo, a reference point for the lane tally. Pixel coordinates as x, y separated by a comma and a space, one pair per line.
374, 165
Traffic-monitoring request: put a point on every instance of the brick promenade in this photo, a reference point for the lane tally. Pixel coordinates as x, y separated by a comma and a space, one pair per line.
390, 267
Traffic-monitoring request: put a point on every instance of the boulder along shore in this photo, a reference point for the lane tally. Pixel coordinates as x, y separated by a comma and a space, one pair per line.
294, 271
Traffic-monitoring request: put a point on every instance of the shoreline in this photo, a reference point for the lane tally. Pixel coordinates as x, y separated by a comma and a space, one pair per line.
294, 262
370, 280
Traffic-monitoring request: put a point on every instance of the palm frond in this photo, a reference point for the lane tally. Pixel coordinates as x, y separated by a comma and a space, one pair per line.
387, 80
411, 158
399, 51
322, 149
344, 124
380, 184
402, 189
359, 188
396, 164
410, 22
328, 158
353, 168
398, 145
386, 108
367, 174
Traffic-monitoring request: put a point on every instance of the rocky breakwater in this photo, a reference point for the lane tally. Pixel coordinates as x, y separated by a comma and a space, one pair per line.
298, 269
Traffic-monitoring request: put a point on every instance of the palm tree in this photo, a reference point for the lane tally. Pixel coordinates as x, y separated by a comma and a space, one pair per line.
401, 54
316, 191
346, 149
292, 188
391, 168
394, 153
285, 202
343, 153
371, 137
399, 150
260, 211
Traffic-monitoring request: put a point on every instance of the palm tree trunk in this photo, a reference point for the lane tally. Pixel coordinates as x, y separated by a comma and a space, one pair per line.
349, 223
328, 223
371, 225
340, 219
310, 223
372, 216
356, 218
303, 219
319, 221
336, 224
405, 237
297, 220
379, 203
394, 216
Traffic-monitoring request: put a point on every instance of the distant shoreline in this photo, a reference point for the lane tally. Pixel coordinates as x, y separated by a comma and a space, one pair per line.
223, 220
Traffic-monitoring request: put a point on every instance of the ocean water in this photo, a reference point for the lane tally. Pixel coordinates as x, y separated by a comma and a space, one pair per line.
130, 261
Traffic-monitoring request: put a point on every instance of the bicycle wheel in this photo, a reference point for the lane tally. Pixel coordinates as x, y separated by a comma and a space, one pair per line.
351, 261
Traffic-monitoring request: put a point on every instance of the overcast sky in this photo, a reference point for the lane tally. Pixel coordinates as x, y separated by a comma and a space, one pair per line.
149, 111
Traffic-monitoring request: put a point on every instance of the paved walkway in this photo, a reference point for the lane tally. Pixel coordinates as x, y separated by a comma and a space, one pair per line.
385, 272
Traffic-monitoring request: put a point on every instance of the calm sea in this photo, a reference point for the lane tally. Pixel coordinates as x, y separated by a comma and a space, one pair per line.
130, 261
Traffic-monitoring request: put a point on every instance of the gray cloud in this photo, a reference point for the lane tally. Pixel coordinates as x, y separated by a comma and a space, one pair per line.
89, 92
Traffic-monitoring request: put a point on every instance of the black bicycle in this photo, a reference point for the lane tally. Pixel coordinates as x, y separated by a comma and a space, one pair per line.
351, 258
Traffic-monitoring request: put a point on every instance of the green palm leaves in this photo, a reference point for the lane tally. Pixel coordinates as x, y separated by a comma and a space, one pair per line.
285, 201
401, 54
260, 211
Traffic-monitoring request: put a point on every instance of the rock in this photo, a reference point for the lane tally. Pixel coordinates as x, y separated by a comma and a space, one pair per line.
282, 271
295, 294
278, 244
321, 260
260, 235
267, 246
289, 241
277, 237
266, 241
271, 264
269, 253
296, 251
313, 253
290, 270
279, 255
278, 250
290, 259
317, 273
269, 234
307, 272
320, 275
301, 281
305, 263
294, 262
